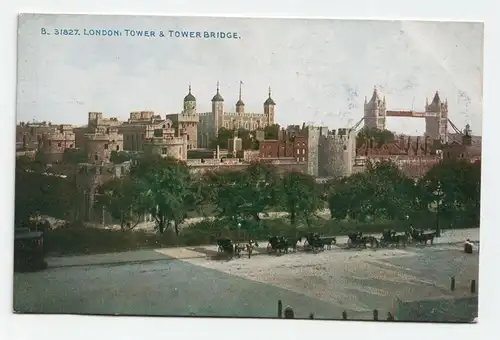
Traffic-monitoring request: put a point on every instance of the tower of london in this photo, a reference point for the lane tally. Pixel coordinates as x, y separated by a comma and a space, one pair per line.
211, 122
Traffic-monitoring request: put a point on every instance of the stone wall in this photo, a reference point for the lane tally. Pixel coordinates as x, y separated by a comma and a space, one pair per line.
336, 154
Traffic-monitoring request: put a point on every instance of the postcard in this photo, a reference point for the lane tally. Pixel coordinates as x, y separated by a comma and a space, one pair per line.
248, 167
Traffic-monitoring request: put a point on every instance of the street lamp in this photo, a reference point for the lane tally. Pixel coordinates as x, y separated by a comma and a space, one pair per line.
438, 193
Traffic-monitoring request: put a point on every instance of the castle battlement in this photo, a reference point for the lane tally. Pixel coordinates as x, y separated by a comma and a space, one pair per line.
165, 141
58, 136
104, 137
188, 118
142, 115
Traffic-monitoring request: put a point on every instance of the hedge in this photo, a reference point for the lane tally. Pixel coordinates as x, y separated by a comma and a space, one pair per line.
86, 240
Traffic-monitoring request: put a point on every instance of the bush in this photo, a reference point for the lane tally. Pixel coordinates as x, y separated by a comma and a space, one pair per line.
75, 239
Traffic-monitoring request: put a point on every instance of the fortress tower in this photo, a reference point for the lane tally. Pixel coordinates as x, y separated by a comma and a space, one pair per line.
375, 112
188, 120
436, 119
269, 106
211, 122
218, 114
101, 142
55, 142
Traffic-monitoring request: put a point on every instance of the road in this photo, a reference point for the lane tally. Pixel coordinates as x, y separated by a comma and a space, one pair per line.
325, 283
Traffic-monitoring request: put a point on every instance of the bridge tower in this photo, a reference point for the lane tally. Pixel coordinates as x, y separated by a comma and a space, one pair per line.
436, 119
375, 112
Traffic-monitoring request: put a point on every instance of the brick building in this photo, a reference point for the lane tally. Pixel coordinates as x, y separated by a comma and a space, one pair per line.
288, 145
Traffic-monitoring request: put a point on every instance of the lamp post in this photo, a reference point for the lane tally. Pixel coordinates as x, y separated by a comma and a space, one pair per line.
438, 193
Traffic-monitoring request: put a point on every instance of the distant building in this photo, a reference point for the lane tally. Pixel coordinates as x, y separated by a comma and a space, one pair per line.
288, 145
469, 148
234, 146
211, 122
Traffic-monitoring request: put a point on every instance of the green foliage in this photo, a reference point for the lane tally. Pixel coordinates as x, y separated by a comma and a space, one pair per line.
383, 191
120, 199
380, 136
271, 131
245, 194
300, 196
74, 156
118, 157
223, 136
36, 192
165, 190
247, 139
456, 186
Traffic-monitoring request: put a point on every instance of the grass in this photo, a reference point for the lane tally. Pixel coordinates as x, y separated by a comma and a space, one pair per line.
87, 240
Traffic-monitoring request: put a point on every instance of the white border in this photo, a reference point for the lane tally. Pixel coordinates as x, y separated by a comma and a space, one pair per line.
81, 327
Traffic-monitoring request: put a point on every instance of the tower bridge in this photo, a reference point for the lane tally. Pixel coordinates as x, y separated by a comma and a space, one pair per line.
435, 115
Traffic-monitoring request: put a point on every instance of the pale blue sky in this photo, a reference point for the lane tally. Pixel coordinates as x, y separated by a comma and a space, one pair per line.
320, 70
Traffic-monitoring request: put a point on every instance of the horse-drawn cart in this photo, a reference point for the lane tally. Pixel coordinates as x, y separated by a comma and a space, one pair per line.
29, 252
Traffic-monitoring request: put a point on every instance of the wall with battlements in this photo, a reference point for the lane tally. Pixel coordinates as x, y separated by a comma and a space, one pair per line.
336, 154
54, 143
99, 144
167, 146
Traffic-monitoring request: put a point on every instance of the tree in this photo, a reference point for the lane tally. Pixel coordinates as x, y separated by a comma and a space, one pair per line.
300, 196
458, 185
245, 194
271, 131
222, 138
165, 190
382, 191
119, 198
380, 136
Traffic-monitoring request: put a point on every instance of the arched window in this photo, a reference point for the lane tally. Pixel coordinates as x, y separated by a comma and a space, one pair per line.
96, 157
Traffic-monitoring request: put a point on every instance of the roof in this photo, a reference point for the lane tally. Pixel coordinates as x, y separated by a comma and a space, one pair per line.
189, 97
269, 101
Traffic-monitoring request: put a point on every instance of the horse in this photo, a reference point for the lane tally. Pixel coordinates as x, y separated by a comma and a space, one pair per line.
356, 240
318, 243
278, 244
389, 237
250, 247
372, 240
421, 237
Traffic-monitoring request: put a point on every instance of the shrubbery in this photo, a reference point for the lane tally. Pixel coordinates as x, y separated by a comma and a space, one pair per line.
86, 240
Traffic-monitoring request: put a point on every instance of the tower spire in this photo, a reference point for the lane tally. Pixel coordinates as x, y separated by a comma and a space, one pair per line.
269, 91
241, 83
217, 87
189, 88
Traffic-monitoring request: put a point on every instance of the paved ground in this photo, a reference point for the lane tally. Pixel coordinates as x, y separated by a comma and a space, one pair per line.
325, 283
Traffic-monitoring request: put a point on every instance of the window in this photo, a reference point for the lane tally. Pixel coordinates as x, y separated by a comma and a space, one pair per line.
50, 143
164, 151
303, 151
59, 144
117, 148
71, 145
303, 159
105, 146
96, 158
